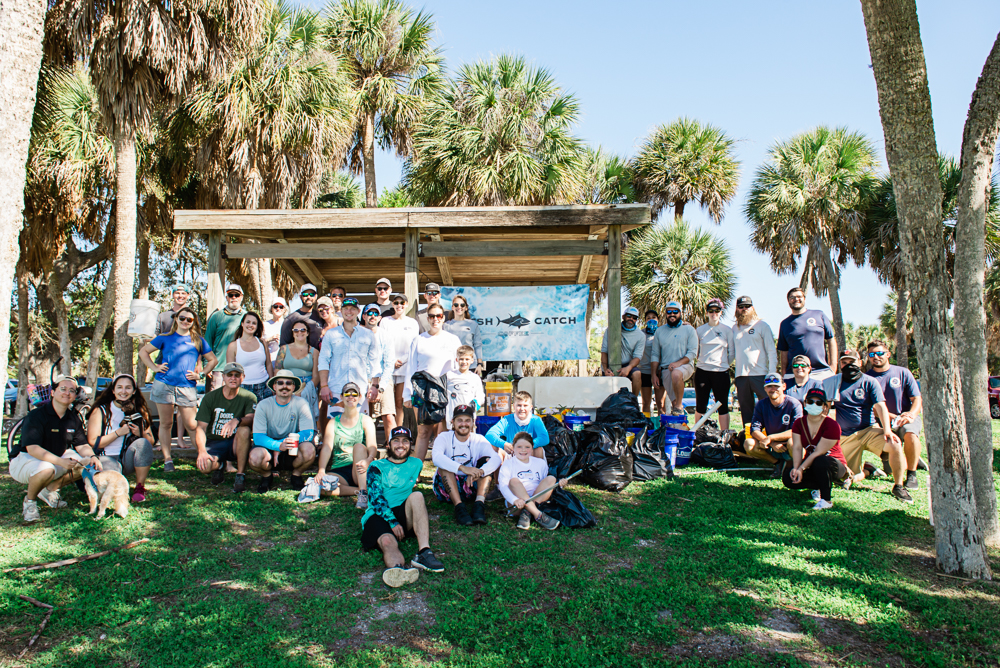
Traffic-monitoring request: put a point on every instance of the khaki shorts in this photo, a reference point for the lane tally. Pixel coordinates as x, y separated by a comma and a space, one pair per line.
24, 466
854, 446
182, 397
686, 369
386, 402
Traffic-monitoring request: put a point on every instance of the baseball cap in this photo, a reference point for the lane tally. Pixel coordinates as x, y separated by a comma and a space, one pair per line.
350, 385
324, 301
432, 287
279, 300
744, 301
715, 301
802, 359
401, 431
676, 305
232, 287
307, 286
464, 409
631, 310
384, 280
233, 366
399, 295
350, 301
180, 287
773, 379
372, 307
850, 354
816, 393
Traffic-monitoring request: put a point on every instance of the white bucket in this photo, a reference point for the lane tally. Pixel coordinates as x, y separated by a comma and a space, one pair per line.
142, 318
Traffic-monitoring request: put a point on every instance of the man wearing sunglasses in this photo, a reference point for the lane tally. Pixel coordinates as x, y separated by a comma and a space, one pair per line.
305, 314
283, 432
799, 385
633, 345
675, 346
432, 294
464, 461
755, 356
220, 330
806, 332
272, 327
903, 401
349, 354
383, 296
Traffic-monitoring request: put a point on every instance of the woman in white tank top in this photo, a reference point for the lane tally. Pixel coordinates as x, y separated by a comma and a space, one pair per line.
248, 350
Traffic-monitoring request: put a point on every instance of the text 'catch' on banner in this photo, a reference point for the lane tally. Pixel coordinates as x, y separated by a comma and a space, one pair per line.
528, 323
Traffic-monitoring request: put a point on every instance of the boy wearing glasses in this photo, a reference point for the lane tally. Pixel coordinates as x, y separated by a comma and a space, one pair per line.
283, 430
305, 314
672, 360
755, 356
220, 330
903, 401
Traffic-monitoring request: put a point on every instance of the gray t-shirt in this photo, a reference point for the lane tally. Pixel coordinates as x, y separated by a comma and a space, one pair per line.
716, 348
633, 345
279, 421
646, 353
165, 321
755, 354
672, 343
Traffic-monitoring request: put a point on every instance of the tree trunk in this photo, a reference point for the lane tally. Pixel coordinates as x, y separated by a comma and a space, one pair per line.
100, 327
679, 209
21, 30
124, 263
23, 338
61, 315
833, 289
978, 145
144, 264
902, 340
806, 269
368, 154
911, 152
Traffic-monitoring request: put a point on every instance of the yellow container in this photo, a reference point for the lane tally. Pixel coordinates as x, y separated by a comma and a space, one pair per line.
498, 398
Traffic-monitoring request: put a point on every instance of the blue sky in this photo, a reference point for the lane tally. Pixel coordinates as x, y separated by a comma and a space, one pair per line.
763, 71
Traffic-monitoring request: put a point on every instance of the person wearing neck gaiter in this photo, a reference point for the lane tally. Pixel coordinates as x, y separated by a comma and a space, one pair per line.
501, 435
633, 346
221, 328
859, 397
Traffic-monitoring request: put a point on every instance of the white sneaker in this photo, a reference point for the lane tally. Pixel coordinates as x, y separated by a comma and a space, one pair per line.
815, 495
51, 498
30, 508
822, 505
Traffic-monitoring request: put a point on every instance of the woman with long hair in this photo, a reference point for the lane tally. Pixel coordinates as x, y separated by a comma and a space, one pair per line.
249, 351
303, 360
467, 330
325, 310
176, 379
119, 430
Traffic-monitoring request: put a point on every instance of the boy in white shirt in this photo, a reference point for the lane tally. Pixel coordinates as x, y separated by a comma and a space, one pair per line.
465, 387
521, 476
464, 462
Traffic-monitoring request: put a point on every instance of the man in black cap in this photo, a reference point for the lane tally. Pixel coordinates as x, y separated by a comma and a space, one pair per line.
432, 294
464, 461
755, 356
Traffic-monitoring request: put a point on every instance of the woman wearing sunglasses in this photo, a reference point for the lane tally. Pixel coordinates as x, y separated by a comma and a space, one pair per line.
349, 447
435, 352
716, 351
176, 380
302, 360
817, 459
466, 329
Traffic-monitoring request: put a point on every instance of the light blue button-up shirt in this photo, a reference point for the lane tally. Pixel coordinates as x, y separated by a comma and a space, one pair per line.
353, 358
386, 359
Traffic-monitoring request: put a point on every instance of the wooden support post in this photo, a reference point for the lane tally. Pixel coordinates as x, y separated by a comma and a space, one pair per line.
412, 264
215, 294
614, 296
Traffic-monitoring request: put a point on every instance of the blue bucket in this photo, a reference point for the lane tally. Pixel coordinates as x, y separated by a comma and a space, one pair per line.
685, 445
576, 422
673, 420
670, 448
484, 423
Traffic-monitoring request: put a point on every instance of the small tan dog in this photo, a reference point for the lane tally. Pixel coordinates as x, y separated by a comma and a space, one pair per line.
111, 487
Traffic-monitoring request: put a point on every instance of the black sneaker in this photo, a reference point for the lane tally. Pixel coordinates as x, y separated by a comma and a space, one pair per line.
911, 480
873, 473
479, 513
901, 494
462, 515
779, 469
886, 466
922, 465
426, 561
219, 474
297, 482
264, 486
494, 495
240, 483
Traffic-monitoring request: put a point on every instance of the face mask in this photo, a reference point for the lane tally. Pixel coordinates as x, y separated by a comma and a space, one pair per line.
651, 327
812, 409
851, 372
626, 328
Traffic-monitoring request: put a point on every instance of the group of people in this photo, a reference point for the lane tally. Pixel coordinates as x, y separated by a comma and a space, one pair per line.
813, 421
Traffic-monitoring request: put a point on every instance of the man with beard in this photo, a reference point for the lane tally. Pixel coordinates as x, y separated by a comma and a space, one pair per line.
675, 346
304, 314
396, 512
283, 432
903, 401
755, 356
807, 333
859, 397
464, 462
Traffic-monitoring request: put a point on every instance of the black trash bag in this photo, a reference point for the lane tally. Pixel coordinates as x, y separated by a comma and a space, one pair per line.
726, 438
708, 433
430, 397
622, 408
605, 457
568, 509
713, 456
562, 449
649, 460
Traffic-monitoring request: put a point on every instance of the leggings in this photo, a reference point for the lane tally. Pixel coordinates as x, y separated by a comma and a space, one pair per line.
819, 475
749, 390
139, 453
714, 382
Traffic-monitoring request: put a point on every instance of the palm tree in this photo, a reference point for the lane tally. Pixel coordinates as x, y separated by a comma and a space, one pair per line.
686, 161
499, 134
812, 193
665, 263
394, 69
608, 179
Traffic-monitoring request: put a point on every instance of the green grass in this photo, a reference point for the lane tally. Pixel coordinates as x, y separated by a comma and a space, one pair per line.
701, 569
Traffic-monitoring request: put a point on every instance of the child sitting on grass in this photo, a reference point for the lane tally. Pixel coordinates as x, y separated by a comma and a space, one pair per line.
465, 388
521, 476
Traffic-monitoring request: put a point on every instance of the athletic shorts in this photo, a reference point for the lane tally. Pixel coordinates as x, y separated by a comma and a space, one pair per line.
182, 397
686, 369
909, 428
345, 472
376, 527
466, 489
222, 449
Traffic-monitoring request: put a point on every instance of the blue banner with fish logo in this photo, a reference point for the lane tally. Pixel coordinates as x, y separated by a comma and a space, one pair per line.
528, 323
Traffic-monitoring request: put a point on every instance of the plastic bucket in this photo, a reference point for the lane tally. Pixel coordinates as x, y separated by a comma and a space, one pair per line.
142, 318
498, 398
685, 445
484, 423
670, 448
632, 434
674, 421
576, 422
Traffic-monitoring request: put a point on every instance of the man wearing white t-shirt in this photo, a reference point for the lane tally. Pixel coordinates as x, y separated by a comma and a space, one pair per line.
464, 462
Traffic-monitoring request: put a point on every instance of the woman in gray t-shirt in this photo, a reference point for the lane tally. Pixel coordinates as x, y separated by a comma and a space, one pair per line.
716, 351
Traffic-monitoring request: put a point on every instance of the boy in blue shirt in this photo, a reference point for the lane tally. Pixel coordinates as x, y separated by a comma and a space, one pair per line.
502, 433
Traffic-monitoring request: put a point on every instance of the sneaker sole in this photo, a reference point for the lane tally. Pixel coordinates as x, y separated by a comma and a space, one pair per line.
397, 577
416, 564
552, 528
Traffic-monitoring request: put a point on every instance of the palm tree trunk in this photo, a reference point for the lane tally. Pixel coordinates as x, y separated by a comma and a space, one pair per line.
100, 327
806, 269
368, 154
144, 264
23, 341
124, 263
833, 288
911, 151
61, 315
22, 27
679, 209
981, 129
902, 340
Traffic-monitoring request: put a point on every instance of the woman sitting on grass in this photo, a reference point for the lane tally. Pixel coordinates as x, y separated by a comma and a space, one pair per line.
521, 476
120, 432
817, 459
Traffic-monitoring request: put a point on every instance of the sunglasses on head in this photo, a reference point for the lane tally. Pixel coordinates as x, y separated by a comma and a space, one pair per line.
308, 293
672, 312
352, 393
878, 353
800, 366
183, 318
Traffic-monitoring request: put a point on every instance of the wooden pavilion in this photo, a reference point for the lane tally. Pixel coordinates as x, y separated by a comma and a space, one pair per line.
466, 246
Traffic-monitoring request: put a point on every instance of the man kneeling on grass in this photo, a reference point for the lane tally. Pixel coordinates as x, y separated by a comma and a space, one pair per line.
464, 462
396, 512
521, 476
282, 433
225, 417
